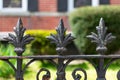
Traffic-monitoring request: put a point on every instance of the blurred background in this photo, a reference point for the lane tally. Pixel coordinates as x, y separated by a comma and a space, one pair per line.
41, 14
41, 17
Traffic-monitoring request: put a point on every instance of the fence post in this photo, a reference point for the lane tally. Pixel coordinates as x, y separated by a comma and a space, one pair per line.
61, 40
19, 40
102, 39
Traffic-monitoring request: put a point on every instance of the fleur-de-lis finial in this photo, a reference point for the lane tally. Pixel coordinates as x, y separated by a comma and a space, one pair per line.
101, 38
61, 39
19, 40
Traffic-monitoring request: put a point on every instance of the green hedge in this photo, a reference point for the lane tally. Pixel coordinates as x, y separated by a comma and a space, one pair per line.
40, 45
7, 49
84, 20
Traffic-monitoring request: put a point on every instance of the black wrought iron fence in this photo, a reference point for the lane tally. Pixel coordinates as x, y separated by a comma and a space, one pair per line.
61, 39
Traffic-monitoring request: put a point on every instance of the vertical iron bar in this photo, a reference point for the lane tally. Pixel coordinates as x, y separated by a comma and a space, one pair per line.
19, 40
101, 72
19, 73
61, 70
102, 39
61, 39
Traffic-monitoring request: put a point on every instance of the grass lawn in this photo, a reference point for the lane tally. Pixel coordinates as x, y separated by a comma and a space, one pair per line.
34, 68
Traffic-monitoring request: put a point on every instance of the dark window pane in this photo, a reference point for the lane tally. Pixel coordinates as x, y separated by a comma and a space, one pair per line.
33, 5
104, 2
78, 3
12, 3
62, 5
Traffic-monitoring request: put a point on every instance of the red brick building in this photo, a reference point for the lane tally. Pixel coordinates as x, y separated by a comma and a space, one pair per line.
41, 14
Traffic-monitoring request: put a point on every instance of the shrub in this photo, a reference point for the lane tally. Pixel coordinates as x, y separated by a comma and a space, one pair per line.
6, 50
40, 45
84, 20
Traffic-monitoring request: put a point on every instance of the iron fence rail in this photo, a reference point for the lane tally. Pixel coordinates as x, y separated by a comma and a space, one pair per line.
61, 57
61, 39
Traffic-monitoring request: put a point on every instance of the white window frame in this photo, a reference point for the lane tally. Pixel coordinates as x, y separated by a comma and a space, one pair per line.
71, 4
23, 8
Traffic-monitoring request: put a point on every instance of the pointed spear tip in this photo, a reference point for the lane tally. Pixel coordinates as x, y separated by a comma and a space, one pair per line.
20, 20
101, 19
19, 24
101, 23
61, 21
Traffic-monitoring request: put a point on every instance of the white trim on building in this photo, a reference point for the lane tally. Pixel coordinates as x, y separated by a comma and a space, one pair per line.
71, 4
95, 2
23, 8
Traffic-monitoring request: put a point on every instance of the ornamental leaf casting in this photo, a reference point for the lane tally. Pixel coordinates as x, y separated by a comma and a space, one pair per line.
61, 39
19, 40
101, 38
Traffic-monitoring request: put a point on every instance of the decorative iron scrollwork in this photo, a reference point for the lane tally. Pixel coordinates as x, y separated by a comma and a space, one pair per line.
61, 39
78, 76
101, 38
46, 76
118, 75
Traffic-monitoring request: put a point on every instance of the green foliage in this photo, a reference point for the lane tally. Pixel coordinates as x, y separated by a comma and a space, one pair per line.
40, 45
84, 20
6, 50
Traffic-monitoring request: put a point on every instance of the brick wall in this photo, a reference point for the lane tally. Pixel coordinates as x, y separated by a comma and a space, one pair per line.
7, 23
32, 22
47, 5
115, 2
38, 22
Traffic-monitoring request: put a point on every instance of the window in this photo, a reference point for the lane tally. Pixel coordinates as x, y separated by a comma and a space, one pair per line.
79, 3
13, 5
69, 5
